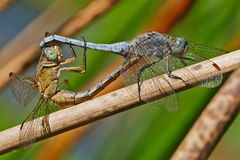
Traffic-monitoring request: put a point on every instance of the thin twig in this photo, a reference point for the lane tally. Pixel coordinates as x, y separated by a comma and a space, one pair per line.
25, 54
212, 123
121, 100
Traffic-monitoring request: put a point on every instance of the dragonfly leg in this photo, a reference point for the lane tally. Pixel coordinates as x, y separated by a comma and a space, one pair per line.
23, 123
139, 79
78, 69
72, 59
187, 58
169, 70
139, 76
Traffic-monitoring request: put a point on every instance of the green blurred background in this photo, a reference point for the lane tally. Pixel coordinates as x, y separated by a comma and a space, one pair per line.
146, 132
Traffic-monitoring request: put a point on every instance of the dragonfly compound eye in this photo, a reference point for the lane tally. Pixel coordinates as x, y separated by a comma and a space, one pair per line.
50, 53
179, 45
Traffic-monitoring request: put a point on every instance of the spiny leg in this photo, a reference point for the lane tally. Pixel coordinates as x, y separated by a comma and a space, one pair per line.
185, 64
140, 71
169, 71
72, 59
187, 58
78, 69
84, 53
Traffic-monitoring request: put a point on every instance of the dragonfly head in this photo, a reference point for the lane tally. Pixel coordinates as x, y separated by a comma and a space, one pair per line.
179, 46
53, 53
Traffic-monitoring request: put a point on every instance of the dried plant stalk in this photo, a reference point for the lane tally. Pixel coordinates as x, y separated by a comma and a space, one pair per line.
121, 100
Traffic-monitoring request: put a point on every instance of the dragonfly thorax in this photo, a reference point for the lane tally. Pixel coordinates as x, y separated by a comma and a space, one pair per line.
47, 74
150, 44
47, 81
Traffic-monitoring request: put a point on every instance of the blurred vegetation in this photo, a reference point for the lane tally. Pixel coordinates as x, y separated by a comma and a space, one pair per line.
145, 132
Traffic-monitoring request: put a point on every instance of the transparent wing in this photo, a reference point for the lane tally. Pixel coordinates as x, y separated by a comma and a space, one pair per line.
204, 51
153, 69
130, 76
212, 81
170, 101
24, 89
194, 54
199, 53
30, 124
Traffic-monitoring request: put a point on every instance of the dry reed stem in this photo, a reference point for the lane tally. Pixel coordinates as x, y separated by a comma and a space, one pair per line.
121, 100
22, 51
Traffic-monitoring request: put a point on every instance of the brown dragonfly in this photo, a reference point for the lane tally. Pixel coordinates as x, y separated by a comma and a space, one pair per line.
46, 83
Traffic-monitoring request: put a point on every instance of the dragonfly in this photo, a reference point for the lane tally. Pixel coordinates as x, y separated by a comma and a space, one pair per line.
46, 83
157, 54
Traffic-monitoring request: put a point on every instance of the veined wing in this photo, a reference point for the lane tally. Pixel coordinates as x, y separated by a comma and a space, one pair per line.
24, 89
30, 126
153, 69
197, 53
156, 71
204, 51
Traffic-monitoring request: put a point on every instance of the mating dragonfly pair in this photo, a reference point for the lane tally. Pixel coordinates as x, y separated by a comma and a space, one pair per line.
148, 55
